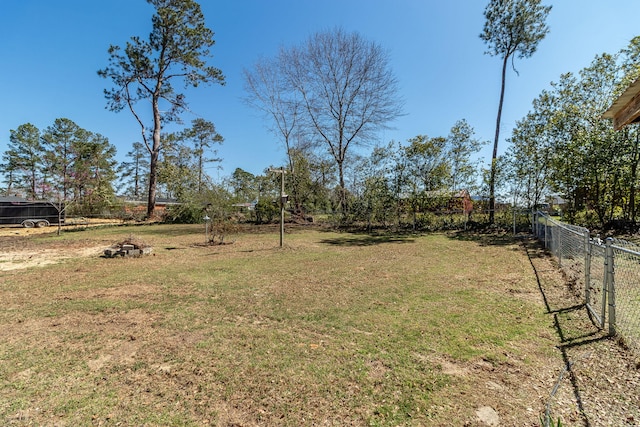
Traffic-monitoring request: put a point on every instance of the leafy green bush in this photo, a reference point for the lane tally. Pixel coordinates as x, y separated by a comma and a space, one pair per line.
266, 211
185, 213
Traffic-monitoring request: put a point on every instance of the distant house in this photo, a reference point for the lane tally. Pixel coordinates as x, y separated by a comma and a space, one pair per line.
249, 206
136, 206
448, 202
556, 204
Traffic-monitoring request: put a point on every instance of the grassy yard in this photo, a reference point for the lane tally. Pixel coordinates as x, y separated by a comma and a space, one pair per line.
333, 329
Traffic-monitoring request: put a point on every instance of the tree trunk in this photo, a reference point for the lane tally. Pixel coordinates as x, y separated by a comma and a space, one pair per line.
34, 192
136, 189
153, 174
293, 181
9, 184
153, 163
65, 183
494, 157
200, 166
343, 191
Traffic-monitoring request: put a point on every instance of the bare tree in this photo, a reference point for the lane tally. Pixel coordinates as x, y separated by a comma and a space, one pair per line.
177, 50
268, 91
511, 27
344, 86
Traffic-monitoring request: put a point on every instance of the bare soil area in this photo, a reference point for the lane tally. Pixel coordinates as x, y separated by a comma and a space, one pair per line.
18, 252
71, 224
20, 259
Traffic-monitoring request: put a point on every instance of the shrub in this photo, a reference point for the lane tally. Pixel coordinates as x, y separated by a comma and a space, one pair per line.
266, 211
185, 213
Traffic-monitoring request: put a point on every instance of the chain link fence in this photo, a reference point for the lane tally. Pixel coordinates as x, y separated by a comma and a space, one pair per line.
606, 273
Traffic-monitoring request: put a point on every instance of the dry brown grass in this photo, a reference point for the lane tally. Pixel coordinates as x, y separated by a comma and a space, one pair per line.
333, 329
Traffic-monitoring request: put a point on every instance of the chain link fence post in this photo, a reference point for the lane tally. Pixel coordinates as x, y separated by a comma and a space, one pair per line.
608, 277
560, 233
610, 287
610, 269
533, 224
587, 267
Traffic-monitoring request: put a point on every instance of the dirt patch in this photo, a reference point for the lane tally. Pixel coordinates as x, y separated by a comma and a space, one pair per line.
71, 224
17, 260
18, 252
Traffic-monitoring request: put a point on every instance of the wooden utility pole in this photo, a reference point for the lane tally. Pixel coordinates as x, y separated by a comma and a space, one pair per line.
283, 201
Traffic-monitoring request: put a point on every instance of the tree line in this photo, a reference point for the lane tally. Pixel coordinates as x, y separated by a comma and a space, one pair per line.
65, 162
564, 146
61, 162
326, 100
399, 184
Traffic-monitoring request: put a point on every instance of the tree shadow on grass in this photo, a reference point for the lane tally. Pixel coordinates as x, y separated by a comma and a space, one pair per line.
159, 228
483, 238
354, 239
487, 238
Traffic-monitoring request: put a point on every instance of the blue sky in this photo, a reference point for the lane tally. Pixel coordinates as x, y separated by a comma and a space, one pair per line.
51, 51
